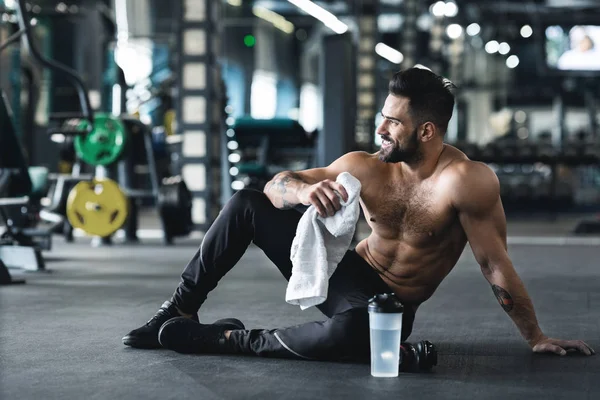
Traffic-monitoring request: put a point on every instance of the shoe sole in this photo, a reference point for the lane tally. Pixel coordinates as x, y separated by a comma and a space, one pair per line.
166, 325
131, 341
230, 323
227, 323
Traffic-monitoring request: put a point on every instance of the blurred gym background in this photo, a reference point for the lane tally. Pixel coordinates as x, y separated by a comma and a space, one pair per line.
126, 125
182, 103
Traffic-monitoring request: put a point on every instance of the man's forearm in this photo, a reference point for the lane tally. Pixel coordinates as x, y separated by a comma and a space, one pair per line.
513, 298
283, 189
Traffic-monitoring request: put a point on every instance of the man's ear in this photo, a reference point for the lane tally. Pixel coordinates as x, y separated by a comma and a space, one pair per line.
427, 131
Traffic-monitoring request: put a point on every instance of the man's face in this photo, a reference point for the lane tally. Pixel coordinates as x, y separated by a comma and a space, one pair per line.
400, 141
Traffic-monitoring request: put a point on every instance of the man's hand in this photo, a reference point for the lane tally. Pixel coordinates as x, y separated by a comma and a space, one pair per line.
561, 347
322, 195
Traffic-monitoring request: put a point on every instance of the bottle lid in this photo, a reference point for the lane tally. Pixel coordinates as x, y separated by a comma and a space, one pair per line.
385, 303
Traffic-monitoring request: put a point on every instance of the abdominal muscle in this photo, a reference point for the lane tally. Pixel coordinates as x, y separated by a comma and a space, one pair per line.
413, 273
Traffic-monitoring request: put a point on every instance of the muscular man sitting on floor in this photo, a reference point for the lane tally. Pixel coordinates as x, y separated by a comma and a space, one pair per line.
423, 199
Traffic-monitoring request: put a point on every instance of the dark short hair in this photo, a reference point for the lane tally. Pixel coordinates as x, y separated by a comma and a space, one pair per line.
430, 96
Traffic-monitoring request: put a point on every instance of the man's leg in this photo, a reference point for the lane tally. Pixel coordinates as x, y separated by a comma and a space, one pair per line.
248, 216
344, 336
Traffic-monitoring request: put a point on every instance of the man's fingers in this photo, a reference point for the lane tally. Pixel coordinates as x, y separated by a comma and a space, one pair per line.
550, 348
325, 199
315, 200
341, 190
327, 205
561, 347
578, 345
333, 198
557, 349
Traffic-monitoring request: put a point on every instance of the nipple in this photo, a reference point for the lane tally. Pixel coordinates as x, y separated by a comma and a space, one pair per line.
372, 219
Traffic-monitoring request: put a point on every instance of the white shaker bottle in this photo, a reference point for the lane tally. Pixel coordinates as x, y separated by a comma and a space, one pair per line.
385, 320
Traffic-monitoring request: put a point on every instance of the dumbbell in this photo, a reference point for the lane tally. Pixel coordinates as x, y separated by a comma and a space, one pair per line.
418, 358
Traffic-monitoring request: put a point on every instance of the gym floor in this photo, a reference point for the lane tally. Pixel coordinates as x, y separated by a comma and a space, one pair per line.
60, 334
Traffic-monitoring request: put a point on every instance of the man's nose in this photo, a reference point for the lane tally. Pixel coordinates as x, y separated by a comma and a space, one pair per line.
381, 129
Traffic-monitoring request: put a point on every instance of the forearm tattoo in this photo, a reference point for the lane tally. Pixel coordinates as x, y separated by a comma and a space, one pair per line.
503, 297
280, 186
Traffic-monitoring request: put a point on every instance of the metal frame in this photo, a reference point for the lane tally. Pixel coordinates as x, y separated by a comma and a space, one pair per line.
26, 31
202, 220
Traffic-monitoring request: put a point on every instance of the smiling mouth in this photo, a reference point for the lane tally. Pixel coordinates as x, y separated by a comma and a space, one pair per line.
385, 142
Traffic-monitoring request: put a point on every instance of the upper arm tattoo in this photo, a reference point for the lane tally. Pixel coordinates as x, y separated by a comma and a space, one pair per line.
504, 298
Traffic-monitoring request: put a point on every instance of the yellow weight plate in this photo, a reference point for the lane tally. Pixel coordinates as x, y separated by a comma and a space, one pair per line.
169, 121
98, 207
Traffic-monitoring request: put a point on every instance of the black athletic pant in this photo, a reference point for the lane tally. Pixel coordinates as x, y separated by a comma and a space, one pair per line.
248, 217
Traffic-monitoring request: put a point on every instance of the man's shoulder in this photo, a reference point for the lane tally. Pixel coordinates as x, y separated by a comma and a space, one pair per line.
359, 156
357, 163
472, 182
358, 160
465, 170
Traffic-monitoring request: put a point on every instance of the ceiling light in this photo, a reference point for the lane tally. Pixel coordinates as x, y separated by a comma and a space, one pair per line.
492, 46
512, 61
327, 18
277, 20
438, 9
504, 48
389, 53
454, 31
473, 29
526, 31
450, 9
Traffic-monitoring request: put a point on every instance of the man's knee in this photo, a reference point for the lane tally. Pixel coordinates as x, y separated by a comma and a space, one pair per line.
247, 198
352, 327
345, 336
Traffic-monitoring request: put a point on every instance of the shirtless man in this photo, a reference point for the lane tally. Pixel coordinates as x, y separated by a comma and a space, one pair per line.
423, 199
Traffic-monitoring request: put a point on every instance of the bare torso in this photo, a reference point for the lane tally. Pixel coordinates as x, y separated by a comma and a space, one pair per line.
416, 236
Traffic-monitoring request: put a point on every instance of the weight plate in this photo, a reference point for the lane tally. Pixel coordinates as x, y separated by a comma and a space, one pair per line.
175, 207
104, 144
98, 207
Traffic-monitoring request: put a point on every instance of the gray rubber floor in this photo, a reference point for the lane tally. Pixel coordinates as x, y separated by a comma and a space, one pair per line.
61, 333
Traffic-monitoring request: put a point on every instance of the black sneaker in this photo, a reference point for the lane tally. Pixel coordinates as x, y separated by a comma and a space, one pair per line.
186, 336
146, 337
418, 358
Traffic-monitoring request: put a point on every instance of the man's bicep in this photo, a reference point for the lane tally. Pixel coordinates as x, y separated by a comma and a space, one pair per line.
482, 216
486, 233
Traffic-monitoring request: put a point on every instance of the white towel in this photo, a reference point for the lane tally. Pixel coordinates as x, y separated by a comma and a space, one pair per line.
319, 245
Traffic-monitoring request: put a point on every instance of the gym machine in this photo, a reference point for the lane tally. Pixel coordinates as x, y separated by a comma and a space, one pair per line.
100, 206
262, 148
20, 245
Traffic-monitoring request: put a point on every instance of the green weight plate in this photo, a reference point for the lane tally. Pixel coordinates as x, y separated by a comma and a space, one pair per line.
105, 144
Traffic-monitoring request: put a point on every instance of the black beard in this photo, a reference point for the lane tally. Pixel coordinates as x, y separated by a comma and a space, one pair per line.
410, 153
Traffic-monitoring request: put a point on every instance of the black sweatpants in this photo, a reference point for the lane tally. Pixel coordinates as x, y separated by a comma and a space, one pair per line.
249, 217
